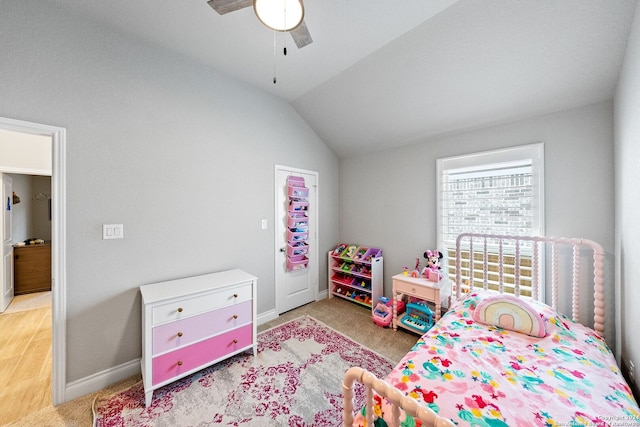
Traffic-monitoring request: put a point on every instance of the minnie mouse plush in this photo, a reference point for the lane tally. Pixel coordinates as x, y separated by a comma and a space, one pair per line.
433, 264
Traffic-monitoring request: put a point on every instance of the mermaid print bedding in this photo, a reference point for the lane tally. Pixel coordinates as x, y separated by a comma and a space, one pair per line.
478, 374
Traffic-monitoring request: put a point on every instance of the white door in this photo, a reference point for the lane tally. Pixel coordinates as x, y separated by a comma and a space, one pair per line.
298, 287
6, 237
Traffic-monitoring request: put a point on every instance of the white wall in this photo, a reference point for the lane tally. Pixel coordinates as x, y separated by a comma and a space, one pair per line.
25, 153
181, 155
388, 199
627, 199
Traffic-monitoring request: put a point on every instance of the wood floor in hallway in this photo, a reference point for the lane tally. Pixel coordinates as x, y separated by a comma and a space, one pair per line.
25, 363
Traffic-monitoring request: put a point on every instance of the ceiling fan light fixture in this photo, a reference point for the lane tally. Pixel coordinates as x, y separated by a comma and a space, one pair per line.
279, 15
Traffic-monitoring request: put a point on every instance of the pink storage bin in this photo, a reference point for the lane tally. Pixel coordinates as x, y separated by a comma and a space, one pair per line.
298, 192
297, 248
297, 263
342, 278
295, 181
297, 236
298, 205
295, 220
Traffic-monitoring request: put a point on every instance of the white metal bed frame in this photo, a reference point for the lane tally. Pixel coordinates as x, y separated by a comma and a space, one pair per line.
471, 241
575, 243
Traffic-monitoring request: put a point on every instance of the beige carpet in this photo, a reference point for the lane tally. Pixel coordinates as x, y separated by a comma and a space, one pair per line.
29, 302
350, 319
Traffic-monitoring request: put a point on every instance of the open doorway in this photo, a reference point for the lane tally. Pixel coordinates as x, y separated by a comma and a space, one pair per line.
57, 138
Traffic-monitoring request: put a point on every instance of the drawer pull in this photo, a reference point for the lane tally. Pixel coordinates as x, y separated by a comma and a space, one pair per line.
179, 334
235, 341
179, 362
235, 295
235, 316
179, 309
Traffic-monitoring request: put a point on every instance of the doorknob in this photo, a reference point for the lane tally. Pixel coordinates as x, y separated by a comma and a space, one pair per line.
283, 250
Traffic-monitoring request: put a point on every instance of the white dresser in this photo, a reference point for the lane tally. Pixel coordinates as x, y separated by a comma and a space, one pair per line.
191, 323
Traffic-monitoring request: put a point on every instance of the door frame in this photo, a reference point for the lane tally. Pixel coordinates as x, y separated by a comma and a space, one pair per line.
58, 246
314, 258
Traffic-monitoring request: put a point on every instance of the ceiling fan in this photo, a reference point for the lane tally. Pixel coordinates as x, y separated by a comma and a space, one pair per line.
279, 15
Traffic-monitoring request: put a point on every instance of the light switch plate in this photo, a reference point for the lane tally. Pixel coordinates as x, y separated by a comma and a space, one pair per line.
112, 231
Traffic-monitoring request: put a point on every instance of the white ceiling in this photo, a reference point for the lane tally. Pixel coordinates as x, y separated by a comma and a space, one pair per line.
384, 73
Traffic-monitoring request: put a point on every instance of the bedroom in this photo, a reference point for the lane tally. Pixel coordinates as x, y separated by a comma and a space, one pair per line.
149, 148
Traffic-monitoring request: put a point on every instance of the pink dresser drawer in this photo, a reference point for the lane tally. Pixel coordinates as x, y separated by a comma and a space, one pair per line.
171, 336
200, 354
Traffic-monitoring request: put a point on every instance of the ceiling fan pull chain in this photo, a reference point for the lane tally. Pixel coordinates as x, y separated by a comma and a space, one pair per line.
274, 57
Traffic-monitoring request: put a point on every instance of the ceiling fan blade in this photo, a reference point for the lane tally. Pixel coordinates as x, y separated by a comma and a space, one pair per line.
301, 35
226, 6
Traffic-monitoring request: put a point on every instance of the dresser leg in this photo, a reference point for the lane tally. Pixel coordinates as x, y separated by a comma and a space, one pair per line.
255, 350
148, 396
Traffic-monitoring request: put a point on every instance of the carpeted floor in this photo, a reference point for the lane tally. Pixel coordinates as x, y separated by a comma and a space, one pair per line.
350, 319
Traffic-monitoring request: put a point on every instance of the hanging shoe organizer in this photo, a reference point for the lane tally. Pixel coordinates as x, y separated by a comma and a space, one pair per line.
297, 224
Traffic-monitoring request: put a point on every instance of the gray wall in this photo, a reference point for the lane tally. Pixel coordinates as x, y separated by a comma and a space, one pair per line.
181, 155
627, 242
388, 198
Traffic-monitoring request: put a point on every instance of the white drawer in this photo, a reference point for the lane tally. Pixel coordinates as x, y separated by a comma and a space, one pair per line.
183, 308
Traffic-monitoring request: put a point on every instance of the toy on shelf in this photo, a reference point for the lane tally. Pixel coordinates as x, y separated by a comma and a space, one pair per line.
433, 269
419, 316
339, 249
416, 270
350, 251
345, 266
360, 253
362, 270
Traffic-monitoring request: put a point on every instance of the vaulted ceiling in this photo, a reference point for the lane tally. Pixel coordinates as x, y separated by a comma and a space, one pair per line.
384, 73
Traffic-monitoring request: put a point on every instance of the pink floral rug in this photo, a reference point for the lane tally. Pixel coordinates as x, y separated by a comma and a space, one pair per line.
295, 380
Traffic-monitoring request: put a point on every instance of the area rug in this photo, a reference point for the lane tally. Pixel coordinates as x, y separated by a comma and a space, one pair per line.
295, 380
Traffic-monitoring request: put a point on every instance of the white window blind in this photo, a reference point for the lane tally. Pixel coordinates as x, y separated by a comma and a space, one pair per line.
496, 192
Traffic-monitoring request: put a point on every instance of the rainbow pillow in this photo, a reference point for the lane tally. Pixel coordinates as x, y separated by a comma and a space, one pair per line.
510, 312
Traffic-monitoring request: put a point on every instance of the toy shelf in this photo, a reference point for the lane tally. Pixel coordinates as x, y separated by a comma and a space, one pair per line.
355, 274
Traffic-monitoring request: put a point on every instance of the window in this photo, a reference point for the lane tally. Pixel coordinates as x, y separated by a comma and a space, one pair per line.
493, 192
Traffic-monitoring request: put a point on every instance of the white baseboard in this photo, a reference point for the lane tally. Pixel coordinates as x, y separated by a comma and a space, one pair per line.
102, 379
267, 317
322, 295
